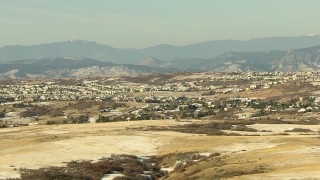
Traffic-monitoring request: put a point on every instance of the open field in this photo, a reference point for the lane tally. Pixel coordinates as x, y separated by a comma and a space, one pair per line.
292, 156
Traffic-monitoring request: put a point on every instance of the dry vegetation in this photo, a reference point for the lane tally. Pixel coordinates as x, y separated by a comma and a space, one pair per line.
154, 79
36, 111
295, 89
230, 127
192, 156
132, 167
187, 165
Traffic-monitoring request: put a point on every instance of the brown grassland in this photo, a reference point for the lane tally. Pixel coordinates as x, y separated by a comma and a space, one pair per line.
239, 157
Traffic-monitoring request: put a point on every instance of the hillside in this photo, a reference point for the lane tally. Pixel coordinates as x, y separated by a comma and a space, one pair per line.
306, 59
265, 54
70, 67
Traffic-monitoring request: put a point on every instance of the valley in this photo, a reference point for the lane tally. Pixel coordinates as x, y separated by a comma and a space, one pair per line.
188, 125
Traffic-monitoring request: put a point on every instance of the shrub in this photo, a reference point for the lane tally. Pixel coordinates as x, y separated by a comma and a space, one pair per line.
244, 128
102, 119
36, 111
299, 130
80, 120
51, 122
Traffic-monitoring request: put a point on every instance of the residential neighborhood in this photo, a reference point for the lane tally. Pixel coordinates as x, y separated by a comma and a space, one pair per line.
181, 97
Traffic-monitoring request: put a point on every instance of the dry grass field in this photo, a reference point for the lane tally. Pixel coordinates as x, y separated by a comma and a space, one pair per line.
264, 156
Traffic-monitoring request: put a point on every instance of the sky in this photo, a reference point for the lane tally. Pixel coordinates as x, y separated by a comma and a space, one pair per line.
145, 23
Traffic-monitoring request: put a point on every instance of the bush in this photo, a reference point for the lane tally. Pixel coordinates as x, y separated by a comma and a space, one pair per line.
244, 128
36, 111
80, 120
51, 122
299, 130
102, 119
21, 105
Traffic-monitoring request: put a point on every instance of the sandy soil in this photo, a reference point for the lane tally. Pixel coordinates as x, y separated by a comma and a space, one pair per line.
43, 145
40, 146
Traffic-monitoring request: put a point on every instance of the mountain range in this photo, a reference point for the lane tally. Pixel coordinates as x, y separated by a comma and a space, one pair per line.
71, 67
305, 59
86, 59
204, 50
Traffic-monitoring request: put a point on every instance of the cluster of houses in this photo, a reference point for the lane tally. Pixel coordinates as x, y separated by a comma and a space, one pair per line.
171, 106
50, 90
234, 108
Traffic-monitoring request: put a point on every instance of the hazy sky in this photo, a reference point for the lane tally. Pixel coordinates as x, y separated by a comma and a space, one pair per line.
142, 23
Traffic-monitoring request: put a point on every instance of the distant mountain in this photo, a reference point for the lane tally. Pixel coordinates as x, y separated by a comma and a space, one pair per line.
244, 61
77, 48
306, 59
71, 67
151, 61
210, 49
166, 53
